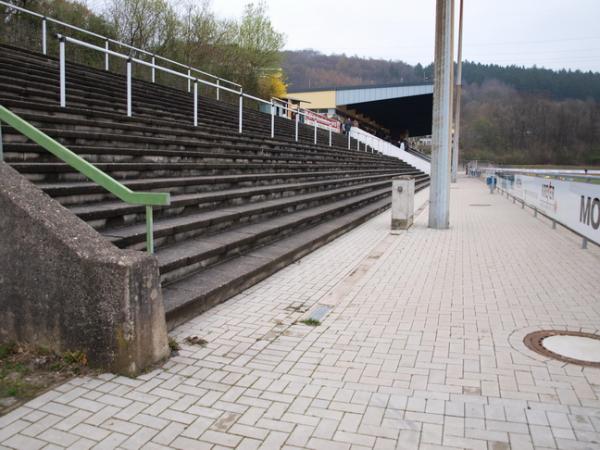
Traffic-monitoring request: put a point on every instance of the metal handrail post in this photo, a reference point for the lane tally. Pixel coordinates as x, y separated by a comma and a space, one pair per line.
357, 144
149, 230
195, 103
297, 116
330, 137
44, 34
241, 111
348, 141
106, 56
129, 87
218, 90
272, 120
153, 69
62, 81
189, 80
315, 133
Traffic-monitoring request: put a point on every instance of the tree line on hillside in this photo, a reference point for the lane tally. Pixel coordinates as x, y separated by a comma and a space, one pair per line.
511, 115
246, 51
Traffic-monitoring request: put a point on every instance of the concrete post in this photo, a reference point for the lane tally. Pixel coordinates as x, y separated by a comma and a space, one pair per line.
439, 192
457, 95
403, 202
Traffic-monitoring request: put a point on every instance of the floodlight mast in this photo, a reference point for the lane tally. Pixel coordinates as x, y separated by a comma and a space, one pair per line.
439, 193
456, 139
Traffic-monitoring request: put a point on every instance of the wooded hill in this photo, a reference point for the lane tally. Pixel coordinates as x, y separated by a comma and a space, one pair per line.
512, 114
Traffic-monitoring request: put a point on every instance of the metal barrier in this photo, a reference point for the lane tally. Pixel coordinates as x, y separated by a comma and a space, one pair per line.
148, 199
107, 41
63, 40
389, 149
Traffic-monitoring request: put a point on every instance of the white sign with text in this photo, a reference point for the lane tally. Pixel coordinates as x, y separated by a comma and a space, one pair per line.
572, 203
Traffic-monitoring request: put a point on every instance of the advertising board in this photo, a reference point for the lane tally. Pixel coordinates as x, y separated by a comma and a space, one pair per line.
572, 203
322, 121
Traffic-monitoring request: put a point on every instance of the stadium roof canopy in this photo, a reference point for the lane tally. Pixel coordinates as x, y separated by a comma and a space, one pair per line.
397, 107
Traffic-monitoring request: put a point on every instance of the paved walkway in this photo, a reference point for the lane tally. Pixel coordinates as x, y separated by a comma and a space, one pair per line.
422, 348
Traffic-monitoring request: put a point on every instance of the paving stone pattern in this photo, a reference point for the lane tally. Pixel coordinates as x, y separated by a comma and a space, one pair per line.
422, 348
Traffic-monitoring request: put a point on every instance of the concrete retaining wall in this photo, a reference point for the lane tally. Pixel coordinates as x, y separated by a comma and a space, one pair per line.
64, 286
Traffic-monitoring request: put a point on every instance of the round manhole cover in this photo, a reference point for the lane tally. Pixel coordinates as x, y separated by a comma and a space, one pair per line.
568, 346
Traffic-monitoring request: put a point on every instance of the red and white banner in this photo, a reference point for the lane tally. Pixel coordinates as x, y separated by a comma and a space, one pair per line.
322, 121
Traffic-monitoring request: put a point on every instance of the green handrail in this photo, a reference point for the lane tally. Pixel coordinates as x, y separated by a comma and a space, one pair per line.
113, 186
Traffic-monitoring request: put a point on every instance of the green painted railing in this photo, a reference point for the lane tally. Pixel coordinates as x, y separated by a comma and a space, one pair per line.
113, 186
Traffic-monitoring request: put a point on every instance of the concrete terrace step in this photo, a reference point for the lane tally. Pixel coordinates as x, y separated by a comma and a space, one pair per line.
197, 253
172, 229
211, 143
49, 110
216, 198
199, 292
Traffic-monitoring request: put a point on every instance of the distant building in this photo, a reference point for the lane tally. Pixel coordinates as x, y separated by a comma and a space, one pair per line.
393, 111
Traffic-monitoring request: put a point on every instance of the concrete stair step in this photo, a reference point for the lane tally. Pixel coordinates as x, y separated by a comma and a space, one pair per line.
173, 229
199, 292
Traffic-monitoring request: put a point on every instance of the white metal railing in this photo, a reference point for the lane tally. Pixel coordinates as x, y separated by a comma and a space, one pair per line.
389, 149
108, 41
192, 81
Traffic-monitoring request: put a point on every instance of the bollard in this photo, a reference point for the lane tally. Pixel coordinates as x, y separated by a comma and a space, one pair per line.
584, 243
403, 202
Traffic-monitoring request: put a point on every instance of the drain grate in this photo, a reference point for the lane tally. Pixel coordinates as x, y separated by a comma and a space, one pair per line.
586, 344
480, 204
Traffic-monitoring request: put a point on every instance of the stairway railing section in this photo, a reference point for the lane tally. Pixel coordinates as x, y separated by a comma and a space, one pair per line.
148, 199
188, 73
389, 149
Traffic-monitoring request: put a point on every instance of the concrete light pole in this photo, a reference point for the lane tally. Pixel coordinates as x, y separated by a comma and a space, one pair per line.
439, 191
455, 144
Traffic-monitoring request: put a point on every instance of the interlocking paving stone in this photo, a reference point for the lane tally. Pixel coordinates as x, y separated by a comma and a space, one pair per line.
422, 348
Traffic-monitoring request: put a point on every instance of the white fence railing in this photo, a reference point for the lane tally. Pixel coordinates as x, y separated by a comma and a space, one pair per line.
389, 149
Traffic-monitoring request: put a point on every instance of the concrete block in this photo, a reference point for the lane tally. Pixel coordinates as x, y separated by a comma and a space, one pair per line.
64, 286
403, 202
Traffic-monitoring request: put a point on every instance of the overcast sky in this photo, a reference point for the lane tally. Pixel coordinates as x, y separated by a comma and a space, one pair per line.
549, 33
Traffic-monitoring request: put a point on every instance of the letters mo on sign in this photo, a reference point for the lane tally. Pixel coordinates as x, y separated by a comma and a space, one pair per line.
575, 204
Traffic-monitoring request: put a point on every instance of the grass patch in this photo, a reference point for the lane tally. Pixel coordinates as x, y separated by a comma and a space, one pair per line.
26, 371
311, 322
174, 345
